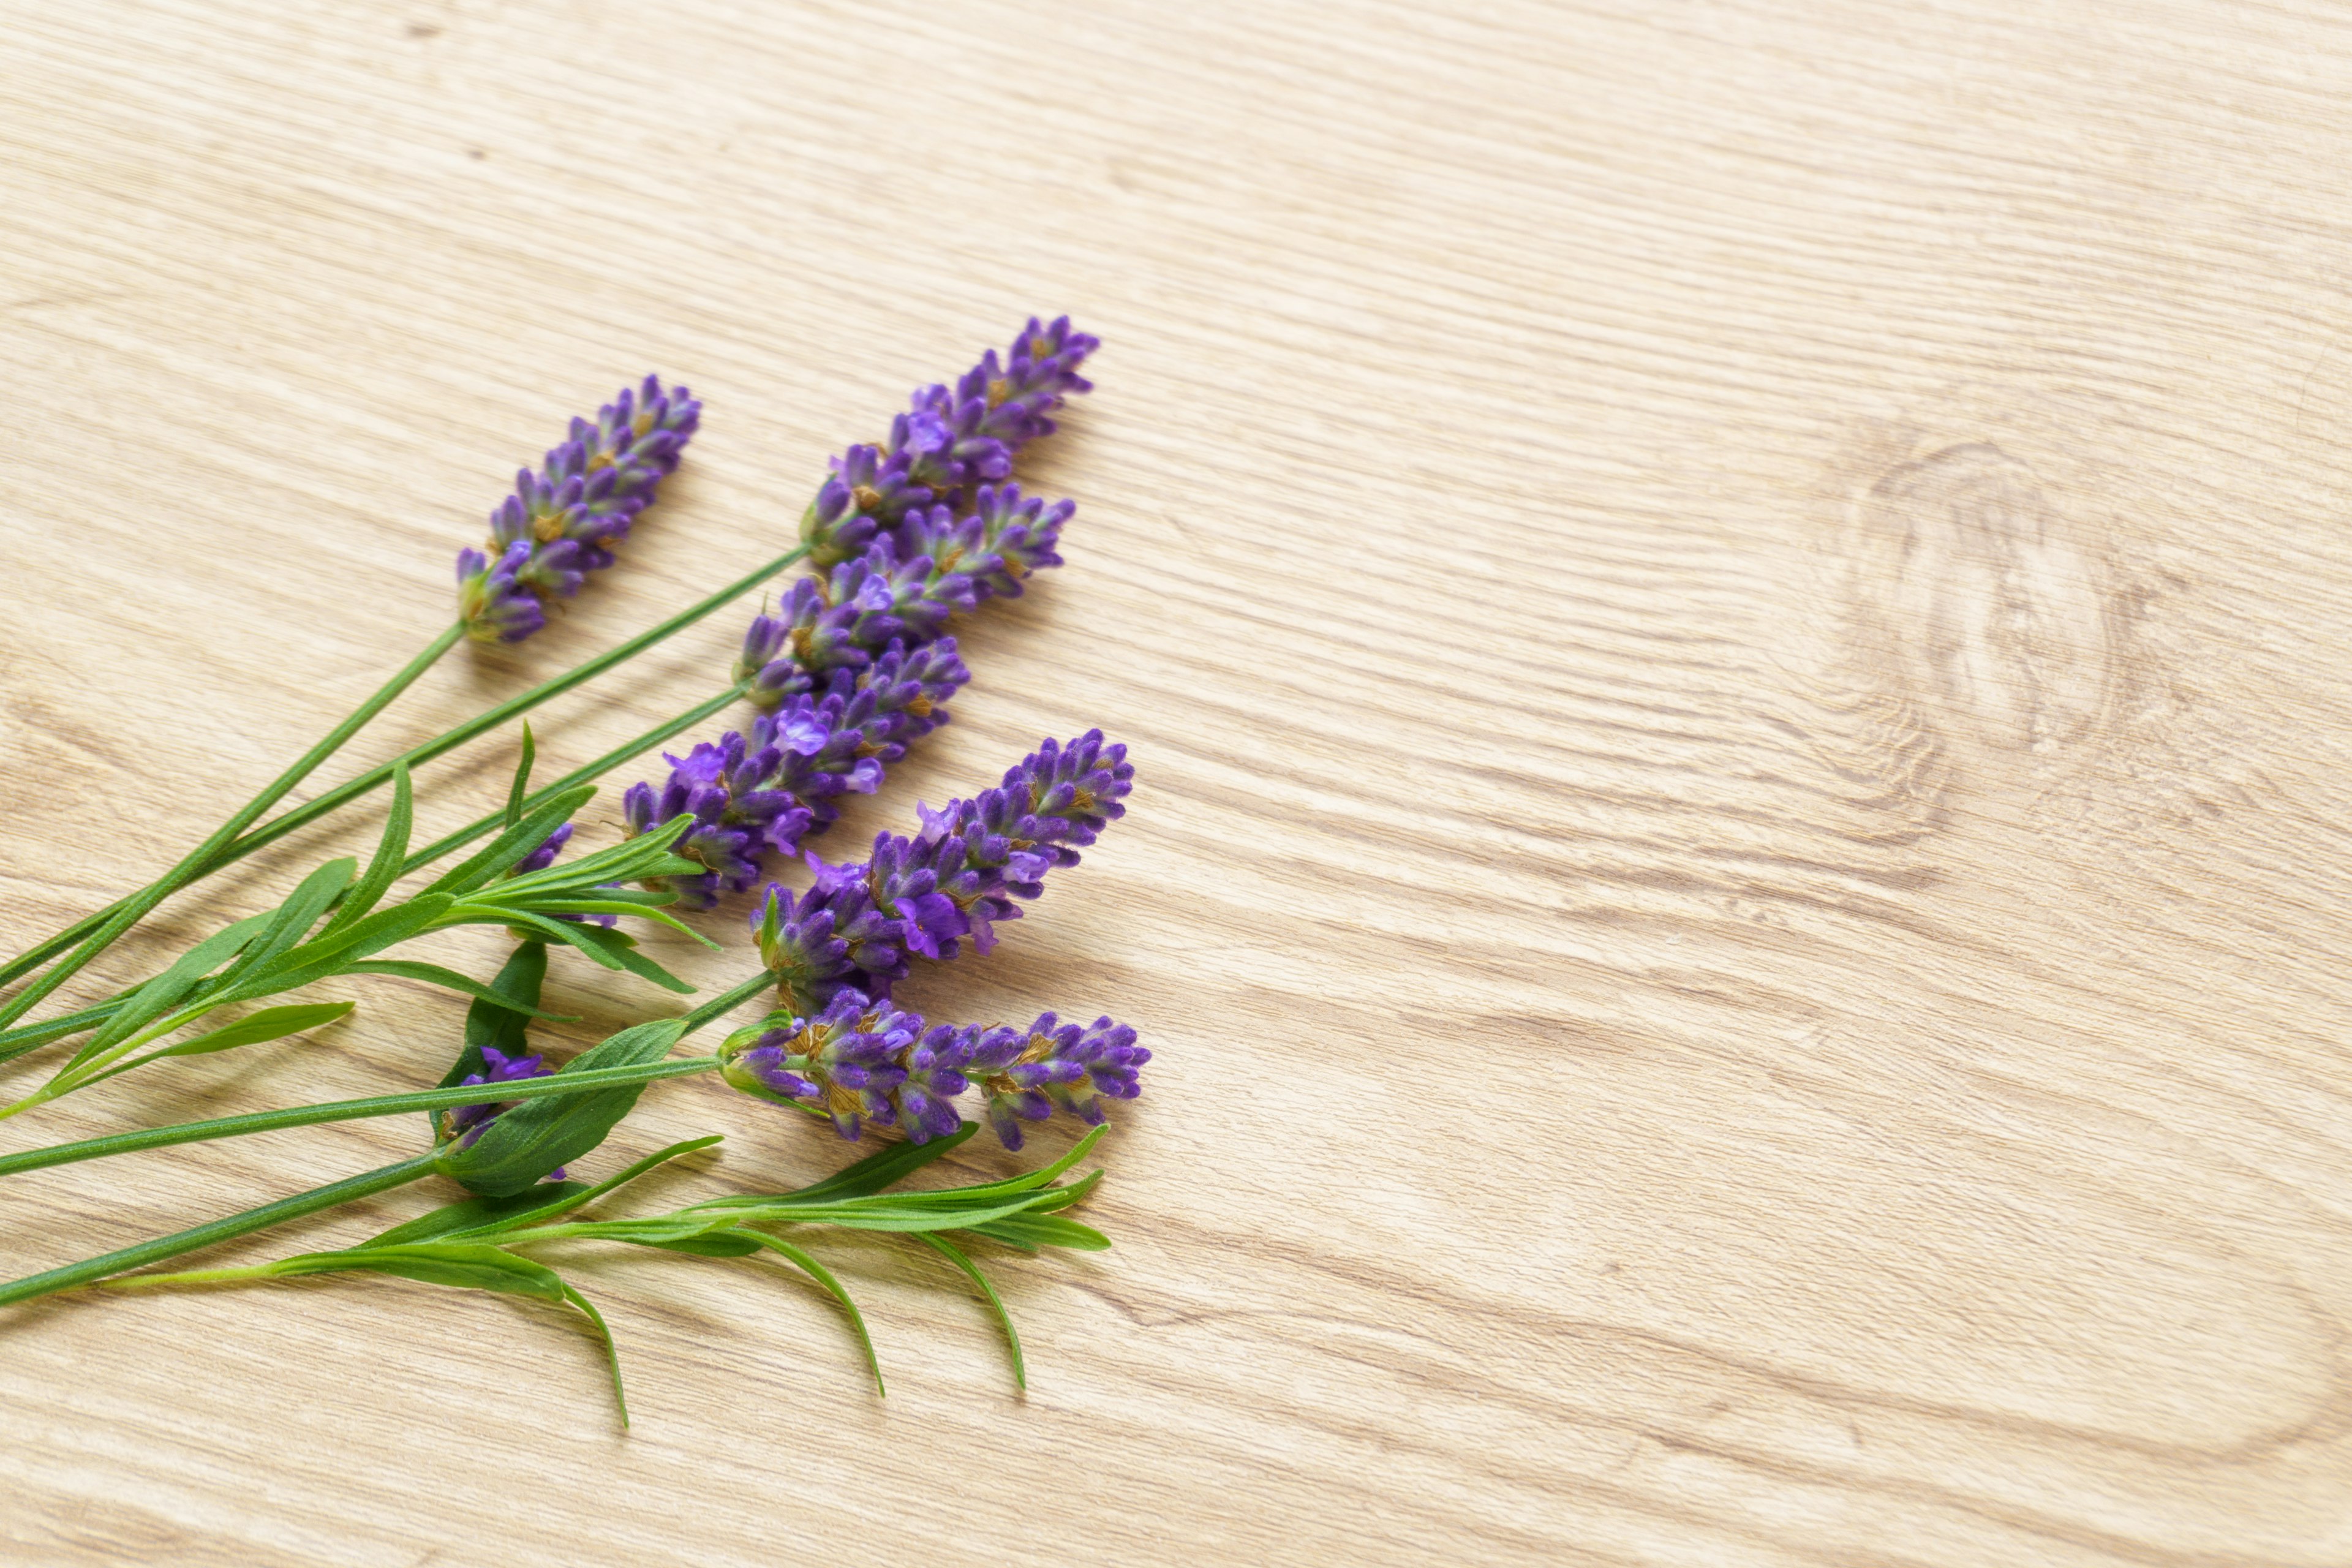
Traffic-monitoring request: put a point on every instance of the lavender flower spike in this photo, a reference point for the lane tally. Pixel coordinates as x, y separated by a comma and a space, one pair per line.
755, 794
861, 1061
948, 441
563, 521
860, 925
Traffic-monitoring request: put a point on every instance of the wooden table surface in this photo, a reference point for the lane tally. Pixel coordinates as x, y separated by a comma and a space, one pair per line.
1734, 620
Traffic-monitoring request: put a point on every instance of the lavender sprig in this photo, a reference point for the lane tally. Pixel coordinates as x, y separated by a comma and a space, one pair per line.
913, 531
561, 521
859, 925
861, 1061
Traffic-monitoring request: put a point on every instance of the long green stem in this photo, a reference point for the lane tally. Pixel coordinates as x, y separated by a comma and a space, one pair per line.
351, 1110
227, 847
717, 1008
91, 1270
26, 1037
128, 913
622, 753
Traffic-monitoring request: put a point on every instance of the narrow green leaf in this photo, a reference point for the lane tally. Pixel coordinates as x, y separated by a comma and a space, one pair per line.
159, 995
878, 1170
1031, 1231
823, 1276
621, 951
956, 1256
473, 1214
629, 860
449, 979
892, 1212
479, 868
714, 1244
612, 1351
384, 868
563, 931
319, 959
601, 904
458, 1265
294, 917
546, 1201
521, 785
269, 1024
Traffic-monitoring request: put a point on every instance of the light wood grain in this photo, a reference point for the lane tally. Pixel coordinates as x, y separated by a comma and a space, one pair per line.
1734, 619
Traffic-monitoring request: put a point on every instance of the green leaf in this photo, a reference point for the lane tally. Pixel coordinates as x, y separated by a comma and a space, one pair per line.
878, 1170
615, 951
716, 1244
269, 1024
894, 1211
295, 916
549, 1199
460, 1265
471, 1215
479, 868
1031, 1231
435, 974
157, 996
957, 1256
612, 1351
823, 1276
601, 902
521, 785
540, 1136
325, 957
384, 868
502, 1021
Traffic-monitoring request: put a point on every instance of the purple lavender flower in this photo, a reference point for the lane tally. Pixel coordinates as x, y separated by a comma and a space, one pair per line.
948, 441
861, 1061
462, 1125
1052, 1065
561, 523
859, 925
765, 793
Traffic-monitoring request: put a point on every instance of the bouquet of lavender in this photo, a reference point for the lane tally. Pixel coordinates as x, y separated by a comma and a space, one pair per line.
853, 665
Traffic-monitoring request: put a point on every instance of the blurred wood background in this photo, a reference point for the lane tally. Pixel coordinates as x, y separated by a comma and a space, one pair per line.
1735, 621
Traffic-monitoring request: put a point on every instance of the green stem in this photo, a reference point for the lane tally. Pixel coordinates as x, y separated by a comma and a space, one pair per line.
351, 1110
91, 1270
580, 775
128, 911
726, 1002
26, 1038
227, 847
395, 1104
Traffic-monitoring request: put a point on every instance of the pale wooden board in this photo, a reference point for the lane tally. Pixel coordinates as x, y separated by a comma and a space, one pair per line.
1734, 619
